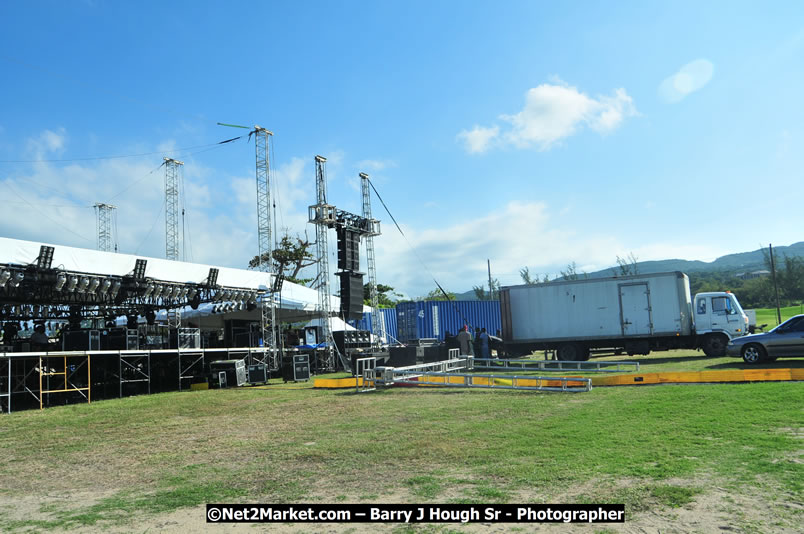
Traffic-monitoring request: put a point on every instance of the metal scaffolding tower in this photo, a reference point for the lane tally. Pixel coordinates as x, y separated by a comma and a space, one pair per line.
172, 236
377, 319
265, 242
323, 216
106, 224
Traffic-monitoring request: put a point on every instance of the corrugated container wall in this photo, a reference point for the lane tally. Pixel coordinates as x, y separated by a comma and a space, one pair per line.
388, 314
431, 319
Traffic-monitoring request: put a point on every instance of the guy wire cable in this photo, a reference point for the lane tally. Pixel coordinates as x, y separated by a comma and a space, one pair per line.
465, 321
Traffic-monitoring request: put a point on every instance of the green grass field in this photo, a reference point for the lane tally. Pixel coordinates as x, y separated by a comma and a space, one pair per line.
664, 448
705, 457
769, 317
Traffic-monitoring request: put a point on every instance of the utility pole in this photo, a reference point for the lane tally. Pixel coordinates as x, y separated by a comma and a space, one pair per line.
377, 319
323, 216
106, 225
775, 285
491, 287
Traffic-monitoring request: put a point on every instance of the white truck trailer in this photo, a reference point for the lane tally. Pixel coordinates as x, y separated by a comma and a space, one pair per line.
633, 314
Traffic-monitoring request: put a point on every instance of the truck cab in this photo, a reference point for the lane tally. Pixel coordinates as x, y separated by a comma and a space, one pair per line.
719, 314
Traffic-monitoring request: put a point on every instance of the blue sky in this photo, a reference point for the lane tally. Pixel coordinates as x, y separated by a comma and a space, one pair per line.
528, 133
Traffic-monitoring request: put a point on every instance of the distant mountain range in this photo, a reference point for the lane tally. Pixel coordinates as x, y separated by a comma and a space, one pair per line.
741, 262
731, 263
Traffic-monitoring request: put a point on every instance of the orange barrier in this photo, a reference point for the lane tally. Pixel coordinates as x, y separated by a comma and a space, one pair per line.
685, 377
700, 377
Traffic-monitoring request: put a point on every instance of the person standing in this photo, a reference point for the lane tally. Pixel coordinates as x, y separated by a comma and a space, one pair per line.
464, 340
39, 339
484, 344
476, 344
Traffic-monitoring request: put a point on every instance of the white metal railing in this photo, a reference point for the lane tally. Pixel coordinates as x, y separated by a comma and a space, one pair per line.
556, 365
366, 368
389, 375
533, 383
445, 373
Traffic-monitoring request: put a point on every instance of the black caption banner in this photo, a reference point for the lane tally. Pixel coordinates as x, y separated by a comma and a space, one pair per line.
415, 513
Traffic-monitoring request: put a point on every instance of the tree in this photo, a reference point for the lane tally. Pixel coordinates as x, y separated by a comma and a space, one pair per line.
437, 294
627, 266
524, 272
792, 278
789, 278
289, 258
572, 272
383, 298
482, 294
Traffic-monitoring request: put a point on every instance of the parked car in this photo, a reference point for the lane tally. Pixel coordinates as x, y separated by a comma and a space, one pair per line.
787, 339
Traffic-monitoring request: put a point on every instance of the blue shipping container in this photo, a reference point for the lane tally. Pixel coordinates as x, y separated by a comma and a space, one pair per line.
389, 315
431, 319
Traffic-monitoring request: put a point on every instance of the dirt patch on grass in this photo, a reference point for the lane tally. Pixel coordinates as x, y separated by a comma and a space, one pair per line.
714, 511
710, 509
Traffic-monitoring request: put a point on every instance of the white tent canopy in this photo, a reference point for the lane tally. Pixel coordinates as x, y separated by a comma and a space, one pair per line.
296, 302
336, 324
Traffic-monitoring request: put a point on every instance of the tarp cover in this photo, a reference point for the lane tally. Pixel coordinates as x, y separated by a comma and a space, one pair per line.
293, 296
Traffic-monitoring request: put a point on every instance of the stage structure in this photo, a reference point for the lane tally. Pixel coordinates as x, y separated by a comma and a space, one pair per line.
265, 242
35, 379
172, 236
349, 229
106, 226
377, 321
41, 290
92, 296
323, 215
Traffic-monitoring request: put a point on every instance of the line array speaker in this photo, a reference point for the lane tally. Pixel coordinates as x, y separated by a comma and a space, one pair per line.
348, 250
351, 295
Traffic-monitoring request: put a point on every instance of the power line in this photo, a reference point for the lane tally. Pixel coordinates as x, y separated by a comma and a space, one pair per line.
216, 145
415, 251
135, 182
156, 220
121, 156
45, 215
74, 206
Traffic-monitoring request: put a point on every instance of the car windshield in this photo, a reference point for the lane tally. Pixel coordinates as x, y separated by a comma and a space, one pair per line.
788, 323
726, 304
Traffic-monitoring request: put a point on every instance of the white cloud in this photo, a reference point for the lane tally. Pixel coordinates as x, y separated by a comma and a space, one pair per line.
689, 78
48, 142
553, 112
221, 225
478, 139
52, 202
456, 256
521, 234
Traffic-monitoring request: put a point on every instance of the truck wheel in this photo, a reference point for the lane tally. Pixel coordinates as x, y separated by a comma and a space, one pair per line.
715, 345
572, 352
754, 353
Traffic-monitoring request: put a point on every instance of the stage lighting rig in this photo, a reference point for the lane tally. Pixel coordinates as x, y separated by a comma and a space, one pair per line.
61, 279
212, 278
139, 268
45, 258
72, 283
93, 285
17, 279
